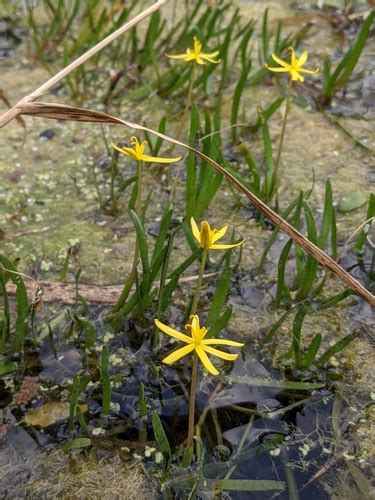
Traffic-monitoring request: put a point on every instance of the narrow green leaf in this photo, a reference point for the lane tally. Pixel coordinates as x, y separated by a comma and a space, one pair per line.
337, 347
265, 35
237, 98
248, 485
74, 393
312, 351
332, 301
296, 335
191, 189
81, 420
282, 290
163, 232
22, 304
220, 323
142, 242
267, 339
162, 441
274, 235
362, 237
220, 296
327, 216
105, 381
142, 401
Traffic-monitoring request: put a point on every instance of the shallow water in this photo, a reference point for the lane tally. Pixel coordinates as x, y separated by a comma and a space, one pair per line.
49, 202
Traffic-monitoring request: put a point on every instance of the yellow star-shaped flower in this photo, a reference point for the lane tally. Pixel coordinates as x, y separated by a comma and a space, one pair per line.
198, 344
295, 66
137, 153
207, 237
197, 55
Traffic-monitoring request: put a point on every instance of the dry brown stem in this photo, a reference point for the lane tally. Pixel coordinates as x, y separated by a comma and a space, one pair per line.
63, 112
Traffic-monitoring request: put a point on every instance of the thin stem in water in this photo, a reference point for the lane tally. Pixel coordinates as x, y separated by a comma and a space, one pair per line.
281, 142
131, 277
193, 386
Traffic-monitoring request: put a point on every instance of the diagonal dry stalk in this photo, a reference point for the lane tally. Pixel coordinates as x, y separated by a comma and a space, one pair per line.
14, 111
63, 112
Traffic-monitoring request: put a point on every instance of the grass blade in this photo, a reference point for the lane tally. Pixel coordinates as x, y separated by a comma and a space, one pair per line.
296, 336
105, 381
339, 346
312, 351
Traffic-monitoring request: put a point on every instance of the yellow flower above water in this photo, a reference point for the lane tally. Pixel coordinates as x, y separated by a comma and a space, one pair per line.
207, 237
295, 66
197, 55
137, 153
198, 344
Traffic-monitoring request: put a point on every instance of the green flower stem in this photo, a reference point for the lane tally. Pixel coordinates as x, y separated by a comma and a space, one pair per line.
281, 142
188, 100
199, 283
131, 277
193, 386
179, 130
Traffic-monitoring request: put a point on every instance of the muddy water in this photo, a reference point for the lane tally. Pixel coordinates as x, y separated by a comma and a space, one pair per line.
49, 201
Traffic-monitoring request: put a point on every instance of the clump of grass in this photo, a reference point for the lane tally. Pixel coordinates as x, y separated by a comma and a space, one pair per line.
334, 80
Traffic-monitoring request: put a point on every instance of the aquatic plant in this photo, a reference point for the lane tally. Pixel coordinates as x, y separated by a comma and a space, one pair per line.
200, 347
137, 154
294, 68
334, 80
196, 55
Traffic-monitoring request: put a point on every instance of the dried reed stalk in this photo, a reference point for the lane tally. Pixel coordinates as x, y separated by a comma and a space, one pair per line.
63, 112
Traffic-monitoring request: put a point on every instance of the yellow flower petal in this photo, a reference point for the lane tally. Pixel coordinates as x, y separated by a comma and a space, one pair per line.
205, 361
230, 343
312, 71
195, 230
211, 54
280, 61
210, 58
220, 354
199, 60
301, 61
126, 151
177, 56
293, 57
219, 234
205, 235
277, 70
173, 333
180, 353
155, 159
225, 247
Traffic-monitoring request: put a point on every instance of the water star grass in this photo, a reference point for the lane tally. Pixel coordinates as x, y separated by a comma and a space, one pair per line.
137, 153
195, 54
197, 344
207, 237
295, 67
